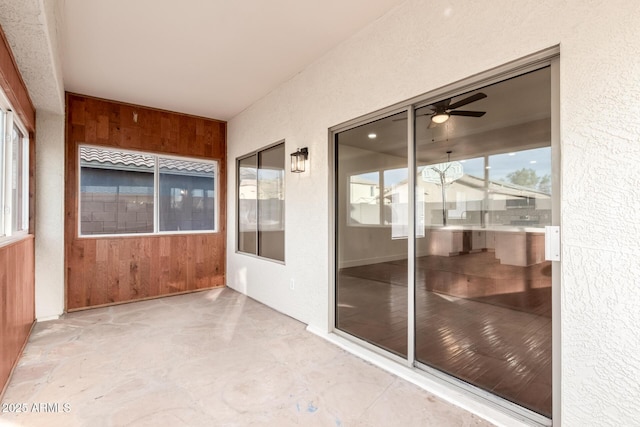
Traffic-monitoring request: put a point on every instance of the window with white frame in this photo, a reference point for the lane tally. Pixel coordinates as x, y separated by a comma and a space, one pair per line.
128, 192
14, 173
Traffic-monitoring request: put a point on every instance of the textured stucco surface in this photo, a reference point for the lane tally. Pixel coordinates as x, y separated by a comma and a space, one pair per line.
31, 30
50, 215
403, 55
420, 46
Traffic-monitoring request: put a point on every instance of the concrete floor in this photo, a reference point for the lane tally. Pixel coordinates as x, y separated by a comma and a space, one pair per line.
213, 358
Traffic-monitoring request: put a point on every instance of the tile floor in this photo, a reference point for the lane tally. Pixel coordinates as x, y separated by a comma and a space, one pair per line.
213, 358
500, 342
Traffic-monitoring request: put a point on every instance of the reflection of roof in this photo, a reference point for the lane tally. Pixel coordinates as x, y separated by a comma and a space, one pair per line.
109, 159
497, 187
502, 187
355, 179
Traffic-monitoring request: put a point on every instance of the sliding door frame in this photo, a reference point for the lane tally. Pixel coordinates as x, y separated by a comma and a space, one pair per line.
546, 58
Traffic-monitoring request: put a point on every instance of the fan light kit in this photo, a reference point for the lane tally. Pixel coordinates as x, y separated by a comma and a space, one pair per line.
440, 118
444, 109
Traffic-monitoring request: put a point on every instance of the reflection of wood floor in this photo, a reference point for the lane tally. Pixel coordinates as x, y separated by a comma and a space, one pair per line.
489, 325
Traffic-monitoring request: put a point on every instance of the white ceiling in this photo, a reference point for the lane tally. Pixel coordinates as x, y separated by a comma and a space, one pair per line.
211, 58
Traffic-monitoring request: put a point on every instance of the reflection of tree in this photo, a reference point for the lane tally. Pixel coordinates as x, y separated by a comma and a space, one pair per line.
443, 174
527, 177
545, 184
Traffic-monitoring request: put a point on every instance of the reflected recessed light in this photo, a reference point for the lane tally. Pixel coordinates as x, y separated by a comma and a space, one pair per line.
512, 154
462, 161
372, 136
533, 162
488, 167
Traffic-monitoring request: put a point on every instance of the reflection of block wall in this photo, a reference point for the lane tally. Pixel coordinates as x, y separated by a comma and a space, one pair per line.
104, 213
188, 213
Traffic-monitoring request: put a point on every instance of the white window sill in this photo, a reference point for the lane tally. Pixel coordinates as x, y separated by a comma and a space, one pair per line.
9, 240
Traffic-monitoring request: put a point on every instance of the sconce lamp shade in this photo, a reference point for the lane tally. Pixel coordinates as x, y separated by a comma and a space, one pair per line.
298, 160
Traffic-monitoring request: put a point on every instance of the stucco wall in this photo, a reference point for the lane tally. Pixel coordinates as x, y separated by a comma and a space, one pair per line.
49, 215
423, 45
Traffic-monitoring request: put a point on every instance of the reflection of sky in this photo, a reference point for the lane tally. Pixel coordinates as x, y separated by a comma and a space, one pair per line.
371, 176
538, 159
501, 166
394, 176
391, 176
270, 174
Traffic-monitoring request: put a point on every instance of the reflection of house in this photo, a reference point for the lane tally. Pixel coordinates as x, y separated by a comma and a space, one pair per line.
362, 190
269, 195
364, 198
468, 199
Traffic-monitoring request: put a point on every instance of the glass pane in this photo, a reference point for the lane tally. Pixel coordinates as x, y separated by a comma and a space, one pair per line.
17, 181
372, 226
520, 188
271, 203
396, 202
483, 288
187, 195
116, 192
364, 198
248, 205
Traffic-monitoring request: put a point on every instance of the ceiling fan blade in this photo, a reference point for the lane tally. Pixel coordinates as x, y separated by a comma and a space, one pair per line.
443, 105
473, 98
467, 113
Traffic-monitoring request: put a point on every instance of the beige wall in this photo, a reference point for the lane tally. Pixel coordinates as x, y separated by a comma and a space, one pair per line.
423, 45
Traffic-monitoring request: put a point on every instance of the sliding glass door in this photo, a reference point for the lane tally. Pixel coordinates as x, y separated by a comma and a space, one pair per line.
483, 293
372, 230
445, 266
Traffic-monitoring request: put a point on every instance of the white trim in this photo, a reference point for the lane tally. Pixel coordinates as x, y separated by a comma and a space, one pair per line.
15, 237
48, 318
411, 230
156, 195
8, 211
556, 266
156, 192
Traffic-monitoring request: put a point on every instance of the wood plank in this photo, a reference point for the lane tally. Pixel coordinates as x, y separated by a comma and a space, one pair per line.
13, 86
17, 308
139, 267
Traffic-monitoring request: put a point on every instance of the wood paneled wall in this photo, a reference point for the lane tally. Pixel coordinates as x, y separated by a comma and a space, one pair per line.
108, 270
17, 309
17, 269
14, 87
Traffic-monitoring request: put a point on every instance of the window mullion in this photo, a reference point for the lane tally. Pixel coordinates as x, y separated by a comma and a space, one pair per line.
156, 195
24, 145
3, 169
258, 203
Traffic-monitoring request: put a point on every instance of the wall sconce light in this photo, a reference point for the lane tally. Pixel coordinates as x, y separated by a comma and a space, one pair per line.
298, 159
